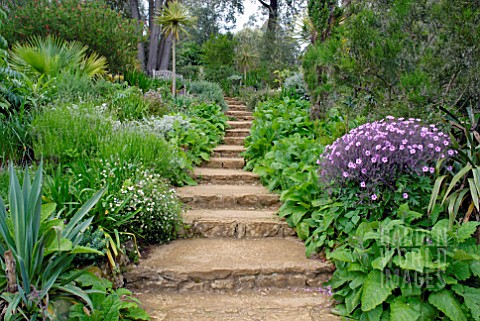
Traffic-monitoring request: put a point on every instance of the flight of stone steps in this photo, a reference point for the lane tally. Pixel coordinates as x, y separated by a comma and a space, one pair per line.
235, 249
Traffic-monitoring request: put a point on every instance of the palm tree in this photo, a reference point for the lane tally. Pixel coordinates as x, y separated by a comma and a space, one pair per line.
50, 56
174, 18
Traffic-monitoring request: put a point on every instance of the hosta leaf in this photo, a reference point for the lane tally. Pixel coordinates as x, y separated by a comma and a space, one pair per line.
375, 290
446, 302
471, 297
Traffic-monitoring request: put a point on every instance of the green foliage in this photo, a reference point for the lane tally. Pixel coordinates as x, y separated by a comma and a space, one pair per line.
128, 105
15, 138
252, 97
389, 58
207, 92
43, 248
218, 58
108, 304
156, 208
459, 187
397, 270
275, 120
51, 56
92, 23
71, 133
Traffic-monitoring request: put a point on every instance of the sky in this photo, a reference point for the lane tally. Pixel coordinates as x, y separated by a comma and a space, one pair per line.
250, 7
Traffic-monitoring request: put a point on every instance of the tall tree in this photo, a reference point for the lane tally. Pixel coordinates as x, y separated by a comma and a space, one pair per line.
135, 12
174, 18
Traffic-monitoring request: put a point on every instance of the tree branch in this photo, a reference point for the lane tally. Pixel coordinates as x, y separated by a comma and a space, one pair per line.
266, 5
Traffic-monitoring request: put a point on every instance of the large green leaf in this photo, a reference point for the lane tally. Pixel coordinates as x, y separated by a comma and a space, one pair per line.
471, 298
401, 311
375, 290
446, 302
353, 299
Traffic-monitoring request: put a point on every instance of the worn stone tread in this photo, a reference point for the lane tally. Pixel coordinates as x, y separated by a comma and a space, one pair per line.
225, 176
228, 265
228, 196
272, 305
216, 223
225, 162
239, 124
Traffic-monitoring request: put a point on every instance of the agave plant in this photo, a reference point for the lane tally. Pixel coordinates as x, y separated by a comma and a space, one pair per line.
460, 188
36, 251
50, 56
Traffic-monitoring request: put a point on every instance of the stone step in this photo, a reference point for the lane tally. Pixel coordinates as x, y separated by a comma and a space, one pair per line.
237, 108
222, 162
228, 151
233, 102
239, 124
240, 118
271, 305
225, 176
236, 113
239, 132
227, 265
235, 224
240, 141
228, 197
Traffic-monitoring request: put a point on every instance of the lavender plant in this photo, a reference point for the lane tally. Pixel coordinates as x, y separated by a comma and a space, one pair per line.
374, 156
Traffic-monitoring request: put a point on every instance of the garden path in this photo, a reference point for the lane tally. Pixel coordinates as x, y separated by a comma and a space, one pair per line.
238, 260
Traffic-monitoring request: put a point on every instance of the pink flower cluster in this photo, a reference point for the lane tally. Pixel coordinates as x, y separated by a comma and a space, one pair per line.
377, 153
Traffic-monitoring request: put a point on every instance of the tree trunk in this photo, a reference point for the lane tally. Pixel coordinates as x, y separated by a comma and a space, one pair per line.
272, 8
165, 51
174, 69
154, 38
140, 48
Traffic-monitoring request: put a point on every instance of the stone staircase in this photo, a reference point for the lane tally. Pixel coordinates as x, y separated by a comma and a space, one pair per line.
238, 260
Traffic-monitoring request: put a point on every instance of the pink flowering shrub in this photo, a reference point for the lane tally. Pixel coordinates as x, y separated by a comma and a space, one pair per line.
375, 155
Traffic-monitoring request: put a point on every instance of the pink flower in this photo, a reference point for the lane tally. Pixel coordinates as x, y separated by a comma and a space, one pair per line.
374, 197
405, 195
362, 184
425, 169
384, 159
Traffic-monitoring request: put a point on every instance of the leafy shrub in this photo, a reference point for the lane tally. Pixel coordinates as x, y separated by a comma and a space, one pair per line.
91, 23
156, 102
40, 247
374, 155
108, 304
397, 270
128, 104
252, 97
70, 133
207, 92
295, 86
369, 172
161, 126
274, 120
156, 207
